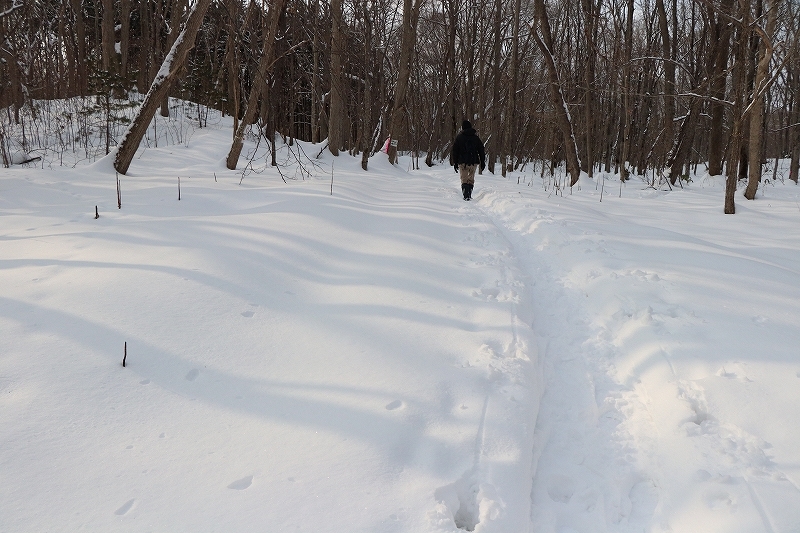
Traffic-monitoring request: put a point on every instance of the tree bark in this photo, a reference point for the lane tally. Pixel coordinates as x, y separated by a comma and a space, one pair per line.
166, 76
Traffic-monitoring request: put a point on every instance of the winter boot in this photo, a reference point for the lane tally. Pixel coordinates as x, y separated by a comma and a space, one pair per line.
469, 191
464, 191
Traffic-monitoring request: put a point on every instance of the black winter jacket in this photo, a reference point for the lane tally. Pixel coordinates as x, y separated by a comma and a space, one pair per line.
468, 149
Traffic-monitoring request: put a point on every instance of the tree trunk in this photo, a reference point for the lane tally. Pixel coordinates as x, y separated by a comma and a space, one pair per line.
739, 86
757, 105
14, 82
451, 121
124, 38
259, 87
722, 36
626, 96
398, 120
590, 15
315, 80
679, 154
146, 21
81, 77
336, 117
109, 53
366, 117
229, 72
794, 133
177, 9
156, 55
496, 142
669, 75
511, 103
166, 76
559, 103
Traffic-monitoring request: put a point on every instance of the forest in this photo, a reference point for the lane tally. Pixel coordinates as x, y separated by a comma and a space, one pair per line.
651, 88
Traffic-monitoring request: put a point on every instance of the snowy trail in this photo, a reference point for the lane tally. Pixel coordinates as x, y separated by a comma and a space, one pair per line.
503, 453
584, 478
627, 306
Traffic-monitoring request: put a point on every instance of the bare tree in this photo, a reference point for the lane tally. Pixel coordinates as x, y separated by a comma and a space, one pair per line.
544, 39
399, 116
721, 35
260, 85
161, 85
756, 107
659, 86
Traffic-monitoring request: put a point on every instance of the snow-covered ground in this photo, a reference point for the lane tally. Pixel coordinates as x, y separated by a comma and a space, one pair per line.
390, 358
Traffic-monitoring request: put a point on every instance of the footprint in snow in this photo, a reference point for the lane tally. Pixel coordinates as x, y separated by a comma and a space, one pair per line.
561, 488
391, 406
192, 375
488, 293
720, 500
248, 314
126, 507
241, 484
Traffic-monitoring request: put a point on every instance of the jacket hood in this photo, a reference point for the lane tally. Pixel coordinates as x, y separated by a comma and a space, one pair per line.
469, 131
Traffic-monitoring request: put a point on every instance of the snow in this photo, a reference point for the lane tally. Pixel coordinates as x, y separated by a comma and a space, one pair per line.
672, 359
389, 357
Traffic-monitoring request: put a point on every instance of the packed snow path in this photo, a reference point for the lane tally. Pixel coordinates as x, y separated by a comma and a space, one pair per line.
375, 359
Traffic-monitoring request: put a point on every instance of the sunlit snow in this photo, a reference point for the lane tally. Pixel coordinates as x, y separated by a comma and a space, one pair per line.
388, 357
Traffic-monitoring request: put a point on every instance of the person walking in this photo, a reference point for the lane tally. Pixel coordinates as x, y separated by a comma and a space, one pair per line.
468, 153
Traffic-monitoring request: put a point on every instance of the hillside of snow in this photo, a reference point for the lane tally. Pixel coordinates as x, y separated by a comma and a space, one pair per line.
319, 348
